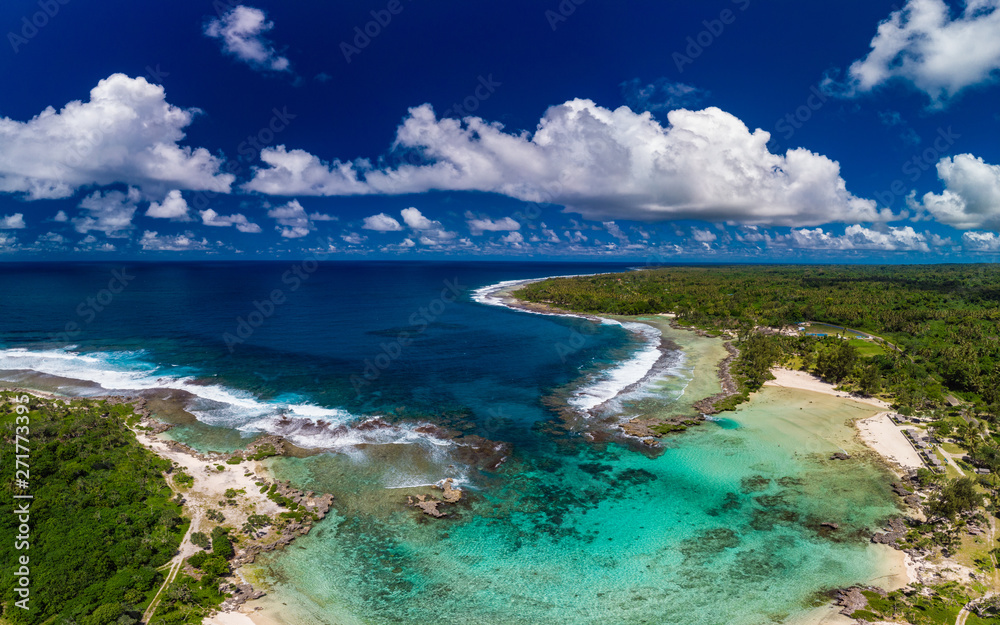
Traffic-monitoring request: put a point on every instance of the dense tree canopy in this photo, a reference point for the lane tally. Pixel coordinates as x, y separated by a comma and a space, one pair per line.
941, 323
101, 519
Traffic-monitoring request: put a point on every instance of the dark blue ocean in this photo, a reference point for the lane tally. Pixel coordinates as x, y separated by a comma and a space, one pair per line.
360, 336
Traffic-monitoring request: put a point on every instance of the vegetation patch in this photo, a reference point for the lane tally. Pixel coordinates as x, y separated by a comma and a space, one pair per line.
103, 518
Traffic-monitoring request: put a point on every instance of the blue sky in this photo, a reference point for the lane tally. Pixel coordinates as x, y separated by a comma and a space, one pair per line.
722, 130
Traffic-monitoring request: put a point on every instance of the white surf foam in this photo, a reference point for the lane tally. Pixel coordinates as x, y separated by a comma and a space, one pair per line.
491, 295
612, 382
302, 423
125, 372
214, 404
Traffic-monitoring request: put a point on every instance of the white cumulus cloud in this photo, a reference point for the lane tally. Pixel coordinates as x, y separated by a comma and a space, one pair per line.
151, 241
12, 222
971, 198
110, 212
981, 242
600, 163
242, 30
514, 238
127, 133
703, 236
432, 233
416, 220
173, 207
938, 51
353, 238
857, 237
293, 222
478, 225
382, 223
211, 218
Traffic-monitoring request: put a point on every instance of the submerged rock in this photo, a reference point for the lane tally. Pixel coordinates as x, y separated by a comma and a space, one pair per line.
428, 506
754, 484
451, 495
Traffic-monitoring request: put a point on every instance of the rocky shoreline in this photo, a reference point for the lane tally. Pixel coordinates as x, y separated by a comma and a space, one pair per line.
308, 507
646, 432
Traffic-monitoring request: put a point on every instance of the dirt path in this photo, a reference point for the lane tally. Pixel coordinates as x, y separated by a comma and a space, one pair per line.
993, 557
183, 551
951, 461
963, 615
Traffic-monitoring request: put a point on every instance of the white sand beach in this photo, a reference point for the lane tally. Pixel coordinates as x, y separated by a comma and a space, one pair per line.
808, 382
882, 435
210, 484
229, 618
878, 432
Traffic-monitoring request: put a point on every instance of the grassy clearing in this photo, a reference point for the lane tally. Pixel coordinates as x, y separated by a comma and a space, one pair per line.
867, 349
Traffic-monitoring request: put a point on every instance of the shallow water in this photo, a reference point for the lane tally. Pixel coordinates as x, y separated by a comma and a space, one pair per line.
723, 527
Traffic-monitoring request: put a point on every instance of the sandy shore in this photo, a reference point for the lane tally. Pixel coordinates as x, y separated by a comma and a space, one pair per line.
807, 382
882, 435
210, 485
229, 618
878, 432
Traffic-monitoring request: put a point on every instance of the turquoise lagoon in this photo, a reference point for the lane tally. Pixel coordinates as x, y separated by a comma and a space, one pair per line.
723, 527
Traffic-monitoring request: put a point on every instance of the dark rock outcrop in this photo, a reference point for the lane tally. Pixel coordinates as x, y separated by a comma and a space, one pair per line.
896, 530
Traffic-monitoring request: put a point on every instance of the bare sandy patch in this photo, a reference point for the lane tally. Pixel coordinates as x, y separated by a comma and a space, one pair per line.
210, 486
788, 378
882, 435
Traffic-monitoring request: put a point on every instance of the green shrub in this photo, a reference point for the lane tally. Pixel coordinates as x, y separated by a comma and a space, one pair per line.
201, 540
183, 479
221, 545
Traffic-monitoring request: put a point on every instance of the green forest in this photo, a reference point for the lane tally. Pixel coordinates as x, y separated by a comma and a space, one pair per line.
935, 326
931, 333
102, 517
